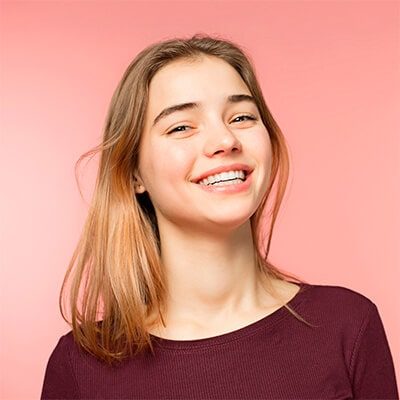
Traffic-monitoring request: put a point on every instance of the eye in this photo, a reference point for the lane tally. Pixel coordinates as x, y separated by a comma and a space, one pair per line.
242, 117
248, 117
177, 129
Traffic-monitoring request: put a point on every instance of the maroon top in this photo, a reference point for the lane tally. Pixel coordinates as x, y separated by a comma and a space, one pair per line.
277, 357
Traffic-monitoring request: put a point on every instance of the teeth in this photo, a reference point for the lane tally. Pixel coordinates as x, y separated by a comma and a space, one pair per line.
224, 176
225, 183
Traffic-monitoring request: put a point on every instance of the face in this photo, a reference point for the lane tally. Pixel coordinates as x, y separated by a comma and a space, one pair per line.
182, 145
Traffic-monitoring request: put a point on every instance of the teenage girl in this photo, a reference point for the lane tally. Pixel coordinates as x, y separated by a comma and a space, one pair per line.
171, 295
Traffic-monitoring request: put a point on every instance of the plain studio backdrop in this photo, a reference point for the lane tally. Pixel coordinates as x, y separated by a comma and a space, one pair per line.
329, 73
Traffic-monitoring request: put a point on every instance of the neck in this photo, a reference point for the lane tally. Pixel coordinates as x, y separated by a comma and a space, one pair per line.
211, 278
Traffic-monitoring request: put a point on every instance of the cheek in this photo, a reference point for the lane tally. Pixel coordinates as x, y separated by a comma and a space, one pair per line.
260, 146
167, 162
262, 152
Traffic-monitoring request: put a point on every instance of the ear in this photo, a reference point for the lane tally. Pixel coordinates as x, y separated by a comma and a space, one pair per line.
138, 184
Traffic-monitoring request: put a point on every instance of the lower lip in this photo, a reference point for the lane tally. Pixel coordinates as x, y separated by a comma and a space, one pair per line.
235, 188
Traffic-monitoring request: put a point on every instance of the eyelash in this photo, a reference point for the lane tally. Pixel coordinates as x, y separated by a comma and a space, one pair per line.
250, 117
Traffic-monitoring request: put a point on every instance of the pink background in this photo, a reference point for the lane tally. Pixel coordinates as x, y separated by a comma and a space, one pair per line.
330, 74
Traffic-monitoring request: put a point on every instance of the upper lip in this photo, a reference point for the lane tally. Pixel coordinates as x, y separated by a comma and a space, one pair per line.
224, 168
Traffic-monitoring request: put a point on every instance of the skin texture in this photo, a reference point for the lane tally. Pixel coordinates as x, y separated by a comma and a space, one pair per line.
206, 241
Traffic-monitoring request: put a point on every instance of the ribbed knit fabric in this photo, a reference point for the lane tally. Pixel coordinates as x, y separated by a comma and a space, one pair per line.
277, 357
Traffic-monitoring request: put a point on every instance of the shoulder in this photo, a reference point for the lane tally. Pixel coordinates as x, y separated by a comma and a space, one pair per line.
63, 346
333, 295
337, 302
66, 344
341, 306
64, 351
67, 340
68, 352
349, 324
60, 380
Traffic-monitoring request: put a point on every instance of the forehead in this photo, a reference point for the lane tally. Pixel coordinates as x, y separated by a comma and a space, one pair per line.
208, 79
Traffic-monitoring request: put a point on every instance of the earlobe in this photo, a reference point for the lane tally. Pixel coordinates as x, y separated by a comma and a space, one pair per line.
139, 188
138, 185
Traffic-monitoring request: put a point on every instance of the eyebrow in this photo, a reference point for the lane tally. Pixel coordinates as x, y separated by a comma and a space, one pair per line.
234, 98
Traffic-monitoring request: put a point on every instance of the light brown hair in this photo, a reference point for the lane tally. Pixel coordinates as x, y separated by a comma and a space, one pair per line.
117, 279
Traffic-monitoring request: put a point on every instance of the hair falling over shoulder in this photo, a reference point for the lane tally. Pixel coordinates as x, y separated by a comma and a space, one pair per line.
115, 281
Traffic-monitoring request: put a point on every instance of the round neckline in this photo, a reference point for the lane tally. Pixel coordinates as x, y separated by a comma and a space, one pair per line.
249, 329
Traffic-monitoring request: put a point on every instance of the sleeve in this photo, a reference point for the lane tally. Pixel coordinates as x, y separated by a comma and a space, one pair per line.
59, 380
372, 370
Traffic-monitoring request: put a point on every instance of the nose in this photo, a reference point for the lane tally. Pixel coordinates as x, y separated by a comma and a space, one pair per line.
221, 139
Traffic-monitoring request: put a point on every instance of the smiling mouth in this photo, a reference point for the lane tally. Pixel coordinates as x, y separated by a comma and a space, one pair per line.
246, 175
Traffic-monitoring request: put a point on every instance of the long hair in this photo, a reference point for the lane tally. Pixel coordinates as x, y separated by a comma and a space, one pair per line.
115, 274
